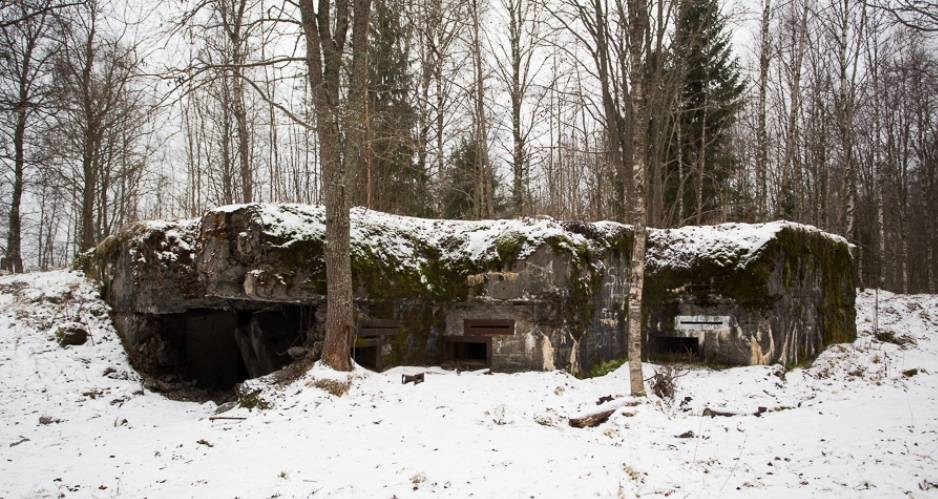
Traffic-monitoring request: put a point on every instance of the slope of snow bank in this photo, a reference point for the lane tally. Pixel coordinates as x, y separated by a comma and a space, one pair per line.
859, 422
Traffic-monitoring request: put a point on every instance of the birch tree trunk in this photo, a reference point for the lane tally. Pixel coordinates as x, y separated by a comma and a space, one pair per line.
233, 20
516, 90
790, 175
762, 146
484, 195
847, 93
638, 26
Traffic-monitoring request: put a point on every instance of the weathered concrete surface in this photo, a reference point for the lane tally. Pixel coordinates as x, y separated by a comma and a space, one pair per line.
785, 290
149, 267
794, 297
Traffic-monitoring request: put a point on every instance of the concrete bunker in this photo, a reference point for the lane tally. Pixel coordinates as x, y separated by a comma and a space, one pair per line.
247, 283
210, 349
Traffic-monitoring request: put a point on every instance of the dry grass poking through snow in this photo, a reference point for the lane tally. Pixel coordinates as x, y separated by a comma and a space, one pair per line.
334, 386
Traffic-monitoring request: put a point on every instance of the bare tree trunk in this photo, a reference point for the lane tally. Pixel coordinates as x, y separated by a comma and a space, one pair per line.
233, 22
440, 119
876, 168
931, 238
638, 26
13, 261
701, 162
484, 196
25, 60
88, 167
790, 176
517, 85
518, 145
87, 202
325, 39
227, 174
244, 147
847, 93
762, 146
679, 137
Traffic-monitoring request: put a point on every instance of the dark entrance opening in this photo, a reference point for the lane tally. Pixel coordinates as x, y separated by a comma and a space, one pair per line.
372, 336
266, 337
367, 356
212, 355
217, 349
677, 348
467, 352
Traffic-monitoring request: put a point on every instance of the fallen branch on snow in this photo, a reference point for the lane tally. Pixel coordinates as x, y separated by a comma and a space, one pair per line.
759, 412
596, 418
591, 420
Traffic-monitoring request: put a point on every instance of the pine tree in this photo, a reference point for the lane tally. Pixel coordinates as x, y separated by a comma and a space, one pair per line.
699, 158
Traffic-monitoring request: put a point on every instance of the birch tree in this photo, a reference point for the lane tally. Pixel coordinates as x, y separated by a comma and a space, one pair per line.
637, 31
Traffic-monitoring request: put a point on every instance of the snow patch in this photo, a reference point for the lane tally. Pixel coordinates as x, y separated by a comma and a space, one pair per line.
859, 421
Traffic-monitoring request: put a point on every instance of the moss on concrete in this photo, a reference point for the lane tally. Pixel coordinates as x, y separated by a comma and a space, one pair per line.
509, 246
409, 345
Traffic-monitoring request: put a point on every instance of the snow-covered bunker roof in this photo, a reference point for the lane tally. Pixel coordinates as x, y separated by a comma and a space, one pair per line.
424, 257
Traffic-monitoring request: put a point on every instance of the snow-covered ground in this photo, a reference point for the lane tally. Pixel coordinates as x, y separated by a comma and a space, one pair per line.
862, 421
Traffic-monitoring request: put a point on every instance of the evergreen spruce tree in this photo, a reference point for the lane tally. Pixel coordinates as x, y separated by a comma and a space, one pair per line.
699, 159
459, 181
397, 185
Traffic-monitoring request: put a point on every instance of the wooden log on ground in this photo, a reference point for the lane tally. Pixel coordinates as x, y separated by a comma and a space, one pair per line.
591, 420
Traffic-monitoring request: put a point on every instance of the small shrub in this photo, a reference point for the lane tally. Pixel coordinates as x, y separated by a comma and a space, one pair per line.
71, 335
896, 339
663, 383
252, 400
604, 368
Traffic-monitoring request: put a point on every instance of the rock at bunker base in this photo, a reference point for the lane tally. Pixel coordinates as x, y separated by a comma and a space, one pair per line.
71, 334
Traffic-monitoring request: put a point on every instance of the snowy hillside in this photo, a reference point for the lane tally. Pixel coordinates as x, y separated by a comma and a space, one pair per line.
862, 421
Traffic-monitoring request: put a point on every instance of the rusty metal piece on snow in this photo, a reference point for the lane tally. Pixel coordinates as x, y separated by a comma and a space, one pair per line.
415, 378
605, 398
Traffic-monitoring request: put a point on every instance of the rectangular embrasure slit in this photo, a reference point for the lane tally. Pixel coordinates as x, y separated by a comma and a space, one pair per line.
378, 327
701, 322
487, 327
